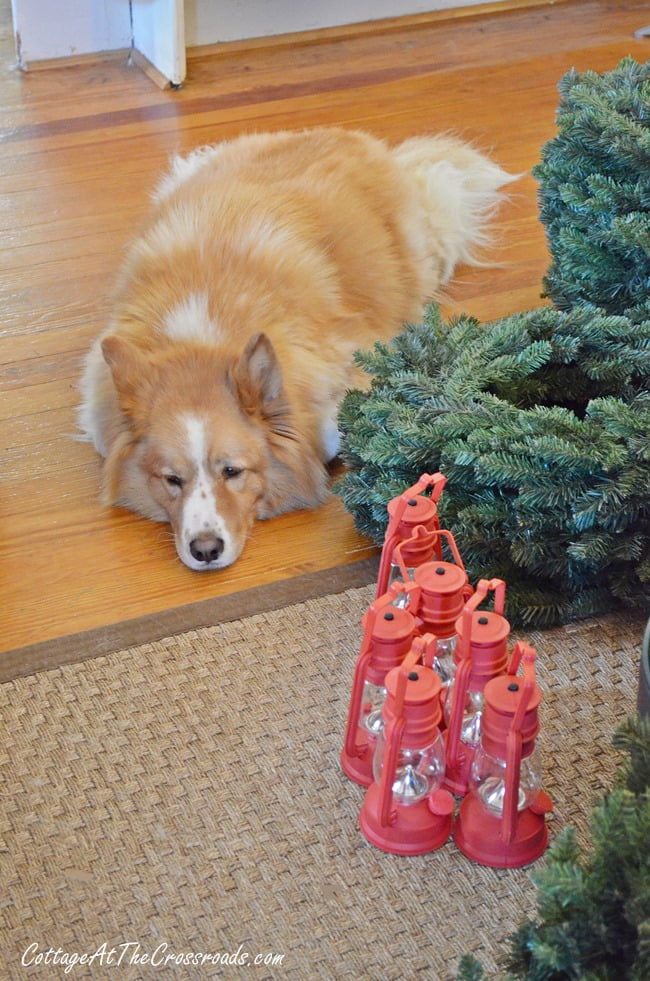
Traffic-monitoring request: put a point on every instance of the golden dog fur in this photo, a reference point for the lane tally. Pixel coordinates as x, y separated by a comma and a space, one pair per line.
267, 261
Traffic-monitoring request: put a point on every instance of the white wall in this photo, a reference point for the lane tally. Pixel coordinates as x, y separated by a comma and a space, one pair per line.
45, 29
211, 21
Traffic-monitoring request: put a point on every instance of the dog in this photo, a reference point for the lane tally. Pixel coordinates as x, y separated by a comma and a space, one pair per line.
266, 263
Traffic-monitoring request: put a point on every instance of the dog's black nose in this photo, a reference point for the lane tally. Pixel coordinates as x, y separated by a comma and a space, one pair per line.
206, 548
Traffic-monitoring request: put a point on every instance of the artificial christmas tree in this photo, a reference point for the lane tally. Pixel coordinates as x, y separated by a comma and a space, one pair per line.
540, 421
593, 917
595, 191
549, 493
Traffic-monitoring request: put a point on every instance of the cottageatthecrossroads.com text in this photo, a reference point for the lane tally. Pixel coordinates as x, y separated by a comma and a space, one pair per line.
133, 953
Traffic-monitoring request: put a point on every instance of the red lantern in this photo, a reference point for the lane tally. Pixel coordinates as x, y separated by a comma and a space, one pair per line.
405, 513
404, 811
481, 654
387, 637
501, 822
443, 592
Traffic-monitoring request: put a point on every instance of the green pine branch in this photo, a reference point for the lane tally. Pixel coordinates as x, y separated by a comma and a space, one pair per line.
552, 497
595, 191
593, 904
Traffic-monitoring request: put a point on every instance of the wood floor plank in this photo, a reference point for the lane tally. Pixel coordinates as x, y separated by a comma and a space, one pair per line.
81, 149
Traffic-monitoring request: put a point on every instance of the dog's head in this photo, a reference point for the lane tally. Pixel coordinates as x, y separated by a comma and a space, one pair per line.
208, 442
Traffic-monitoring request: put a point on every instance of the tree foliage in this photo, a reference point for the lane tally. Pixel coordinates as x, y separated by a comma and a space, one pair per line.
540, 421
593, 906
595, 191
541, 424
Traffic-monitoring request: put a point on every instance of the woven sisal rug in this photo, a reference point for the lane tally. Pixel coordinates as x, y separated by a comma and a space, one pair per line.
184, 798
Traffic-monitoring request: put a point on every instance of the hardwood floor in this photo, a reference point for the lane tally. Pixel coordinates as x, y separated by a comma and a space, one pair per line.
82, 147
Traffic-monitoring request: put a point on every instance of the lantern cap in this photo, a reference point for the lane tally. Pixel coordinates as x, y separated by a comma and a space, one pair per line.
392, 624
487, 647
419, 510
440, 577
487, 628
443, 594
390, 642
503, 696
423, 684
414, 694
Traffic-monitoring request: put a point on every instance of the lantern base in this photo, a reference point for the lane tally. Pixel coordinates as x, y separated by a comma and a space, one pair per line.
359, 768
478, 834
416, 828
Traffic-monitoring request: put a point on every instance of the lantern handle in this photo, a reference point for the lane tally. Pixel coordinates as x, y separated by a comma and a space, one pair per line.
483, 587
453, 548
416, 654
461, 684
529, 657
422, 533
514, 740
521, 651
463, 671
428, 644
475, 600
437, 482
352, 748
512, 781
392, 735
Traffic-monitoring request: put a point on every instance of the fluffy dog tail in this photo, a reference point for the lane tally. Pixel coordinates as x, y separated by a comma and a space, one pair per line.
458, 192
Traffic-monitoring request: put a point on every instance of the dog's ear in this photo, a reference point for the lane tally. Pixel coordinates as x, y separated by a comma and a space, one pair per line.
257, 376
131, 372
116, 461
296, 478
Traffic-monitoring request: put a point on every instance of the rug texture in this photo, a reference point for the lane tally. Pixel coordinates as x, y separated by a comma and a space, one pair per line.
177, 809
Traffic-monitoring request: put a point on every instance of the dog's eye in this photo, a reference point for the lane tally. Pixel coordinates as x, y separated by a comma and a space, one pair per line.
173, 480
230, 472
